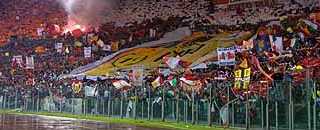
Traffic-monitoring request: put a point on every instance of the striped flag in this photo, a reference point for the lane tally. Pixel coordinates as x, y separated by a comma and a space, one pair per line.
120, 84
187, 82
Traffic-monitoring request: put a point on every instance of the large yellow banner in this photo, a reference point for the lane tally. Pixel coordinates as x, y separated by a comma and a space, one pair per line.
190, 49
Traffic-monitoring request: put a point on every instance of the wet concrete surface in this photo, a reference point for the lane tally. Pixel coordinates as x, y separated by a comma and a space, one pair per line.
26, 122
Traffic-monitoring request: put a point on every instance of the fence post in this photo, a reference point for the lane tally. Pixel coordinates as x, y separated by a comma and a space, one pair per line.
267, 110
33, 103
232, 117
135, 103
315, 107
277, 116
97, 105
60, 105
173, 108
8, 102
103, 106
262, 114
152, 110
192, 108
16, 100
247, 111
38, 100
197, 112
149, 101
112, 106
85, 105
1, 99
4, 100
309, 114
142, 110
177, 109
72, 104
308, 98
109, 106
290, 107
163, 104
210, 106
228, 98
121, 106
26, 104
186, 111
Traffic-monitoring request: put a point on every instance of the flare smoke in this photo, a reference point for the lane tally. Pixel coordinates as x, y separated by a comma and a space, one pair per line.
87, 12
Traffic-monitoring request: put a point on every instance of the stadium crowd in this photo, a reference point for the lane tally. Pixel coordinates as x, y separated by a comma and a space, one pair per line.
134, 23
23, 18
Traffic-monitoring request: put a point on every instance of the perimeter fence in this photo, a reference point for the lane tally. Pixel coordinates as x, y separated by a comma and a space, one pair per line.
286, 107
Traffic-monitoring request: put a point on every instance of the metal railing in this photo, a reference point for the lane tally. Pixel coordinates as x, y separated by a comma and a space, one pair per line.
286, 107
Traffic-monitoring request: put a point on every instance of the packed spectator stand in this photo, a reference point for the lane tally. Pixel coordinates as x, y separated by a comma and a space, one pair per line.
136, 22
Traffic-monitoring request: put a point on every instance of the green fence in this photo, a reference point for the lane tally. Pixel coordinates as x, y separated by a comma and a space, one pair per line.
286, 107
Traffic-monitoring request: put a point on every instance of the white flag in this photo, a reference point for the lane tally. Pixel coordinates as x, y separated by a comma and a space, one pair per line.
137, 75
120, 84
29, 62
172, 62
87, 52
59, 47
90, 91
40, 31
279, 44
188, 82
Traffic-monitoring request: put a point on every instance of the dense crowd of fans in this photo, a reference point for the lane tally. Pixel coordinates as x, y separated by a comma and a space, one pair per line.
134, 18
136, 11
136, 22
256, 14
23, 18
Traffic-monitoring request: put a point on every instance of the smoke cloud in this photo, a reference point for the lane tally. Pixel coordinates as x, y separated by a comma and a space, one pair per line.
88, 12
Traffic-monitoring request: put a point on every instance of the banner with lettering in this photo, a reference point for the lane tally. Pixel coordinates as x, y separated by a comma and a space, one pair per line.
190, 50
242, 79
226, 56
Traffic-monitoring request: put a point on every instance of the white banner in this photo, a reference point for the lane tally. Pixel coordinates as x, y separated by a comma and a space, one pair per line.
87, 52
226, 56
59, 47
40, 31
137, 75
279, 44
29, 62
90, 91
